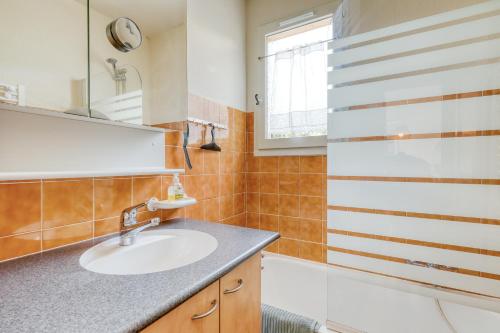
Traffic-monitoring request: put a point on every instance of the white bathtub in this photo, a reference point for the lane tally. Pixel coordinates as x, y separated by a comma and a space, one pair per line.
353, 302
295, 285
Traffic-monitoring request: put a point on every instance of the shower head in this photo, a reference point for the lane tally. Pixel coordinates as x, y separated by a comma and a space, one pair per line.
113, 62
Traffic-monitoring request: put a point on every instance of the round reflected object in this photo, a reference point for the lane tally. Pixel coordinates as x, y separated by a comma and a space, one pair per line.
124, 34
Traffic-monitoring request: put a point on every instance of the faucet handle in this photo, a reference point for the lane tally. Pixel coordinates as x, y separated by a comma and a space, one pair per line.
130, 218
155, 221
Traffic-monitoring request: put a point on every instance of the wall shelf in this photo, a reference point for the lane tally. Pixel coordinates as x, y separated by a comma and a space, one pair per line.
57, 114
5, 176
165, 204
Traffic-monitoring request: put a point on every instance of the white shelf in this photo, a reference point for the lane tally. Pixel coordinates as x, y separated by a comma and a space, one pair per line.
84, 174
165, 204
60, 114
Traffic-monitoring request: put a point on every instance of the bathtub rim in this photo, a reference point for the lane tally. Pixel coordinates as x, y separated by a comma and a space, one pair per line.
484, 302
284, 256
442, 293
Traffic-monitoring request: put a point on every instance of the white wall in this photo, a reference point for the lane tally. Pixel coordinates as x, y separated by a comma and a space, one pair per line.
216, 50
38, 143
366, 15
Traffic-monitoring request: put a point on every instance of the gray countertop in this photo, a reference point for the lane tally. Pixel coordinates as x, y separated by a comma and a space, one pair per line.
51, 292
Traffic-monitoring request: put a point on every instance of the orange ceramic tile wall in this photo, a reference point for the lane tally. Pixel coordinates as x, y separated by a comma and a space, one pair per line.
38, 215
288, 194
217, 179
285, 194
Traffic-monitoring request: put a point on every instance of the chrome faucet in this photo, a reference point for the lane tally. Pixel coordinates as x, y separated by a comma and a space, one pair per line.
129, 219
129, 237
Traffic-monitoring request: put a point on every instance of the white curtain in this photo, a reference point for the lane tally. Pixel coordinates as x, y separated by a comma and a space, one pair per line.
297, 92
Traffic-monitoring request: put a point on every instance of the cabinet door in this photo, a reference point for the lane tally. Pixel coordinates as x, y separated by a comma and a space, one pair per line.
199, 314
240, 298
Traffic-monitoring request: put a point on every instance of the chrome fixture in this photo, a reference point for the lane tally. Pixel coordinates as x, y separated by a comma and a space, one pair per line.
129, 238
230, 291
208, 313
119, 75
129, 219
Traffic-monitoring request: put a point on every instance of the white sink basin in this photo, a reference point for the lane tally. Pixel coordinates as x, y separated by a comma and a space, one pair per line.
153, 251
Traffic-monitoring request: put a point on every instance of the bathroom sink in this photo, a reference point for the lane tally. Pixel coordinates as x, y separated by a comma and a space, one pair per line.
153, 251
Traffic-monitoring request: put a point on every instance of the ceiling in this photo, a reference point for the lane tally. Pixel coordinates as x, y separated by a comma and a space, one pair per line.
152, 16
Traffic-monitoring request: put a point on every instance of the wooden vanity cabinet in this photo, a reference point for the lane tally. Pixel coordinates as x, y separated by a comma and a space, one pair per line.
240, 298
181, 318
229, 305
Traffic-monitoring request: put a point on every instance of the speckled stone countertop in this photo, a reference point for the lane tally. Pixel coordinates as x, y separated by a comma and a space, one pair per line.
51, 292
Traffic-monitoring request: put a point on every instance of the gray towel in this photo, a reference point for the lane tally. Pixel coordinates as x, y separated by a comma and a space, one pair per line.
276, 320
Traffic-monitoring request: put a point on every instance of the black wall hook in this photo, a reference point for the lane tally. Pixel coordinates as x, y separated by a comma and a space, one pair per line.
257, 102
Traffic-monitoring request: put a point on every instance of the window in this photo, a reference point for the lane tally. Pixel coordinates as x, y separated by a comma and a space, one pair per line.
296, 81
295, 69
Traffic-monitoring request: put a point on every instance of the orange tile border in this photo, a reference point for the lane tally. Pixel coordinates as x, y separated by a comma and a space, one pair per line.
416, 215
417, 242
417, 136
406, 262
468, 181
437, 98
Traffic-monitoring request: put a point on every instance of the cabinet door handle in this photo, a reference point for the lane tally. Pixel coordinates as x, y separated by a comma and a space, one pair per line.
230, 291
208, 313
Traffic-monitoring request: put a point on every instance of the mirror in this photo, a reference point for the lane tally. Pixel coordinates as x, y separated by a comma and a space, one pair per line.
134, 47
119, 60
43, 58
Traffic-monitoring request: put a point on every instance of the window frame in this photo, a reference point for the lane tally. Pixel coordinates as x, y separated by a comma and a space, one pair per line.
309, 145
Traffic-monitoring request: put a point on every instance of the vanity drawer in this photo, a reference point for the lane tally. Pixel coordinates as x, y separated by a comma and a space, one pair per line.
199, 314
229, 305
240, 298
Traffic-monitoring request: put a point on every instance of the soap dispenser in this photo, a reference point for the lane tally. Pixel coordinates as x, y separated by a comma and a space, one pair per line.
175, 190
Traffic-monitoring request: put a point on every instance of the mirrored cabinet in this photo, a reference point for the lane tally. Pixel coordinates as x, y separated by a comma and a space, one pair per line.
135, 49
43, 58
146, 62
